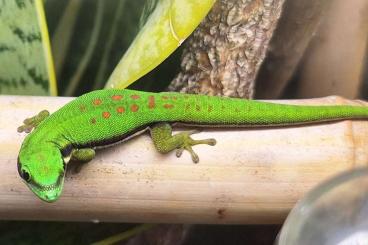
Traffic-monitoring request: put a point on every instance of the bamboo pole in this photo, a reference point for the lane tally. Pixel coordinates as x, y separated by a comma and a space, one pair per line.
250, 176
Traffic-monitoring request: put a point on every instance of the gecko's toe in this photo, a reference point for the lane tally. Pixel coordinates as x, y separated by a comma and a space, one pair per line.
33, 122
179, 152
188, 148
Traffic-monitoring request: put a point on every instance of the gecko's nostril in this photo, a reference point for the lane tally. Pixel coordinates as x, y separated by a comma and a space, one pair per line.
50, 197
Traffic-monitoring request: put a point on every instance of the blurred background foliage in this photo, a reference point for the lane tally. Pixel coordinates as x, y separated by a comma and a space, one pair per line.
26, 65
88, 38
102, 31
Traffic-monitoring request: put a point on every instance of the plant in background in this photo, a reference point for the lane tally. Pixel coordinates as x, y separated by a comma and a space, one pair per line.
25, 59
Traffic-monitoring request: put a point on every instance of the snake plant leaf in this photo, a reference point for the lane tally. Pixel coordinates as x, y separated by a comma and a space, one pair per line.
148, 8
25, 58
169, 24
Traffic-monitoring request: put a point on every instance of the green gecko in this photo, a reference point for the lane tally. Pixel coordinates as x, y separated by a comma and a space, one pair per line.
105, 117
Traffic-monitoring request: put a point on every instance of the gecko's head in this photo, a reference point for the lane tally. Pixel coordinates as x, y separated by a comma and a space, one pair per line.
42, 168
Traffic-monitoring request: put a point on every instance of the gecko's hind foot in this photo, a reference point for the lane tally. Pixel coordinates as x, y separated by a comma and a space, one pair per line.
33, 122
188, 142
165, 142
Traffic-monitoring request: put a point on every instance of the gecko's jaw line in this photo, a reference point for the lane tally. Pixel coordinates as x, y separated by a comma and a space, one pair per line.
48, 193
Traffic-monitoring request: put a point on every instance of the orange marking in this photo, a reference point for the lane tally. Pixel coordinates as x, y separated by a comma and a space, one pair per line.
151, 102
168, 106
135, 96
165, 97
116, 97
82, 108
106, 114
210, 108
174, 98
134, 108
93, 120
97, 102
120, 109
198, 108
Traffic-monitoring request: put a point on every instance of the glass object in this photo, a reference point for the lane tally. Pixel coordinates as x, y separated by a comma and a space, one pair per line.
333, 213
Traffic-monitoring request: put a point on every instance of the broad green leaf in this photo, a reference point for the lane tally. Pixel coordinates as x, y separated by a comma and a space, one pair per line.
171, 22
148, 8
25, 58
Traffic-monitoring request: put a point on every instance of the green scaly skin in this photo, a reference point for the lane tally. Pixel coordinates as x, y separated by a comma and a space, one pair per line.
104, 117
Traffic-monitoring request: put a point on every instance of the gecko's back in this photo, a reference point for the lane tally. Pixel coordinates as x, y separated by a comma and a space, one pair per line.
103, 117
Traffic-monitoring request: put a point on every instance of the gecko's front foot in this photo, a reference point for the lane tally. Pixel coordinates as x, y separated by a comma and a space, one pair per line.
165, 142
33, 122
80, 157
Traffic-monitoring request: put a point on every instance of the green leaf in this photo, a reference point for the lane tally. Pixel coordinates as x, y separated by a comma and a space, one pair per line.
25, 58
148, 8
171, 22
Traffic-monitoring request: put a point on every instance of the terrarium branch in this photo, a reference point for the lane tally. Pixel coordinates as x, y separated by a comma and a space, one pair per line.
250, 176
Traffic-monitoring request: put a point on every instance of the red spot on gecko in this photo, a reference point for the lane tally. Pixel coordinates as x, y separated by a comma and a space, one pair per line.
135, 96
151, 102
198, 108
210, 108
174, 98
116, 97
97, 102
82, 108
93, 120
134, 108
106, 114
165, 97
120, 109
168, 106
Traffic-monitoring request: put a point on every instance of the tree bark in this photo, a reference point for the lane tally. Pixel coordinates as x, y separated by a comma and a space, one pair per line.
223, 55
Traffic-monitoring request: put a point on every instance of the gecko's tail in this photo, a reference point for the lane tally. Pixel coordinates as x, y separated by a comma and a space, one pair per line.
239, 112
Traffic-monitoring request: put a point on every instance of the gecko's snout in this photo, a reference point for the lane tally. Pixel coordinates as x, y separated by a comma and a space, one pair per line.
51, 197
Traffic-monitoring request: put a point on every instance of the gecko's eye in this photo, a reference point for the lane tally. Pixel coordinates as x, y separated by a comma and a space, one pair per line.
25, 175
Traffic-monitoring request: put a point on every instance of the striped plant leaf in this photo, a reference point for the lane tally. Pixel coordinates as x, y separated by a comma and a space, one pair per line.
25, 58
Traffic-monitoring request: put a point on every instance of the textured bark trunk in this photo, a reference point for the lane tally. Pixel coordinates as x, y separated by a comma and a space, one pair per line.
223, 55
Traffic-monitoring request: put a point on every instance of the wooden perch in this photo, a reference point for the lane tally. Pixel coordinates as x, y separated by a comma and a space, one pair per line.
250, 176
